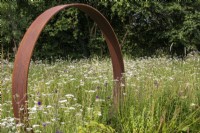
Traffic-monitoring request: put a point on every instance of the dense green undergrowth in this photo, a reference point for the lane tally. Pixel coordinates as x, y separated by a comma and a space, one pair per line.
162, 95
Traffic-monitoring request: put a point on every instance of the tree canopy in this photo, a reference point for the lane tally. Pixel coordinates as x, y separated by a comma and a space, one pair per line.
144, 28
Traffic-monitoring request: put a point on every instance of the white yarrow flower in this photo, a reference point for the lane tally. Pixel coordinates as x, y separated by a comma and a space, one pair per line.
71, 108
34, 126
49, 106
69, 95
63, 101
19, 125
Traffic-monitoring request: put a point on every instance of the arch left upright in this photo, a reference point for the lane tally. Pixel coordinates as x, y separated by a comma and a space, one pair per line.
26, 47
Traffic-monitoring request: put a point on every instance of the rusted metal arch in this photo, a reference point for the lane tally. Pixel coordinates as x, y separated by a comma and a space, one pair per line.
26, 47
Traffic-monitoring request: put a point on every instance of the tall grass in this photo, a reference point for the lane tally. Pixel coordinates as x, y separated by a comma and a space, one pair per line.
162, 95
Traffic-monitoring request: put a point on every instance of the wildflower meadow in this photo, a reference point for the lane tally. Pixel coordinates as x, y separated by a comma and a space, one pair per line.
75, 96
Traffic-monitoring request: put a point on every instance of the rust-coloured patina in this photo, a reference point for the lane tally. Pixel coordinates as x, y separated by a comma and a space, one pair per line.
26, 47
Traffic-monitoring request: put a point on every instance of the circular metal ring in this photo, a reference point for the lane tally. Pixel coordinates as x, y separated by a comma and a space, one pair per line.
26, 47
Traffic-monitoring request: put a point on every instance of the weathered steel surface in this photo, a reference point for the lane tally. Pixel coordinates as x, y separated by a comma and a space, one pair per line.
26, 47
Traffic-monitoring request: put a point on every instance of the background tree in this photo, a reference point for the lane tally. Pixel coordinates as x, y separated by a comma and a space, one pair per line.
144, 28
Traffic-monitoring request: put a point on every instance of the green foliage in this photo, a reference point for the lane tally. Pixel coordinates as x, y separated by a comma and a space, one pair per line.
11, 28
144, 28
155, 25
162, 95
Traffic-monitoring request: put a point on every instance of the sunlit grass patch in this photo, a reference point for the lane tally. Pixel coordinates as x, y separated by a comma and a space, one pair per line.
162, 95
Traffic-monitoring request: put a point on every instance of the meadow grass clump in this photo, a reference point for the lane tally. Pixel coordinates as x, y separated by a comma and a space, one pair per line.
162, 95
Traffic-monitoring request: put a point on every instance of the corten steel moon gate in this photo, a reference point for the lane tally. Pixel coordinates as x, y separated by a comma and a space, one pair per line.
26, 47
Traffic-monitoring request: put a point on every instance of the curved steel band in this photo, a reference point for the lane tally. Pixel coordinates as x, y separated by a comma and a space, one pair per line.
26, 47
